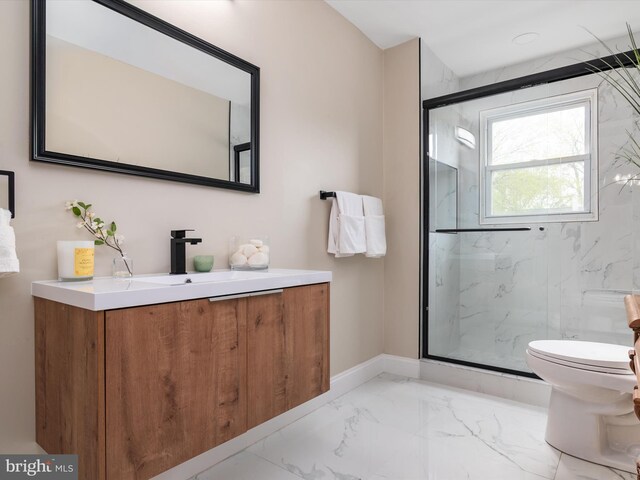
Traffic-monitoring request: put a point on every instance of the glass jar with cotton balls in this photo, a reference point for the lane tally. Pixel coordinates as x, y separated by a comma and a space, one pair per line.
249, 253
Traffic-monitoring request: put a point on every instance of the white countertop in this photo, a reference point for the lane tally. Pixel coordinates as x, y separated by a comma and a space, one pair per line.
107, 293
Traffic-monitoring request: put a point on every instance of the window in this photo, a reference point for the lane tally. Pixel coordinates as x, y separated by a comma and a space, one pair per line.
539, 160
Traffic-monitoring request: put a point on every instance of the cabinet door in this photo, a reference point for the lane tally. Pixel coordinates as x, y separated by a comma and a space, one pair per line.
306, 316
175, 383
288, 350
267, 358
69, 361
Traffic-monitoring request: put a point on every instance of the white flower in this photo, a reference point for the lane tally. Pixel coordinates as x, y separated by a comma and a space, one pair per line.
74, 203
91, 214
101, 226
119, 239
68, 205
94, 225
80, 224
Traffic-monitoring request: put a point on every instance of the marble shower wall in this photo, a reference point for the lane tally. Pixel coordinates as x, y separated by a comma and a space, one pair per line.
444, 249
565, 281
444, 279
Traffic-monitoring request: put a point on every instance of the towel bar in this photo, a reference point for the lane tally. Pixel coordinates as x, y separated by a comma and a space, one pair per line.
324, 195
12, 194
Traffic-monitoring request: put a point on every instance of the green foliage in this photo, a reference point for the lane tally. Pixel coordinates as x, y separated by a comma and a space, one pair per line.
525, 190
626, 81
94, 225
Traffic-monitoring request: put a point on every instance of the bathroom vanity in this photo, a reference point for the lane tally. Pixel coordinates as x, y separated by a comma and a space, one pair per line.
140, 375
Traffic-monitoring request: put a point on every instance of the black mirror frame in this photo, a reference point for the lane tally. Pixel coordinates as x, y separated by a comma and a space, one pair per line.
38, 103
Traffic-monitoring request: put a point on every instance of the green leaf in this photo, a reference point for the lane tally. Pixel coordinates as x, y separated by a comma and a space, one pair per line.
113, 226
82, 205
110, 233
99, 242
76, 211
88, 206
98, 220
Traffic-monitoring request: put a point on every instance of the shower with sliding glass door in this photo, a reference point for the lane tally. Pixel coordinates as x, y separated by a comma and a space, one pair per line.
529, 229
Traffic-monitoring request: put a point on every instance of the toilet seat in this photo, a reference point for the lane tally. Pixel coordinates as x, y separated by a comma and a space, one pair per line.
591, 403
591, 356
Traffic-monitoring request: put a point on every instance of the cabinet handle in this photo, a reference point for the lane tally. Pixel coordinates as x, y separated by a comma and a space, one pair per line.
244, 295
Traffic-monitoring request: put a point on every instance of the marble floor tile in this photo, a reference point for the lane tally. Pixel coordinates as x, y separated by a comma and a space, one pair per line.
571, 468
395, 428
245, 466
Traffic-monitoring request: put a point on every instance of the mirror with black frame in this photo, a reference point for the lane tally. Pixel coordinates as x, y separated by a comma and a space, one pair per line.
117, 89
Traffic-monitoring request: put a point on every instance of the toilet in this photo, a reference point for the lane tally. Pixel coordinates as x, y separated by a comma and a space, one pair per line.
591, 409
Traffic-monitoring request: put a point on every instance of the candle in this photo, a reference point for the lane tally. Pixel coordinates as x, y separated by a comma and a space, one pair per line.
75, 260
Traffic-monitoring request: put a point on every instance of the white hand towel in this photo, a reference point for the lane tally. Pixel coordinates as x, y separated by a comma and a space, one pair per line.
346, 226
351, 236
374, 227
332, 244
8, 259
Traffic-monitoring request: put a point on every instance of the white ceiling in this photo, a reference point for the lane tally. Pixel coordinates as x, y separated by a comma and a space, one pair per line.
471, 36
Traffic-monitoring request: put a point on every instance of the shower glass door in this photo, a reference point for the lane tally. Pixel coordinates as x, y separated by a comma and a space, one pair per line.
488, 284
531, 227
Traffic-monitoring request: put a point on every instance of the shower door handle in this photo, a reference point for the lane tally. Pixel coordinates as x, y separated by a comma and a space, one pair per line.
468, 230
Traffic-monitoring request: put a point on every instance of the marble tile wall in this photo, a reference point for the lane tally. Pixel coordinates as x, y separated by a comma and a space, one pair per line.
566, 281
444, 284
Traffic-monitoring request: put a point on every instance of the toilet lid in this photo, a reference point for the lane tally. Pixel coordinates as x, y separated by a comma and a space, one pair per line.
590, 354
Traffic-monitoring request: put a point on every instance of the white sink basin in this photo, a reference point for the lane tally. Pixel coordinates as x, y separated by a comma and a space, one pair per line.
210, 277
106, 293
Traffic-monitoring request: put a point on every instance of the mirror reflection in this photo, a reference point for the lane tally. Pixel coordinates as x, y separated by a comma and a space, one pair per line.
119, 91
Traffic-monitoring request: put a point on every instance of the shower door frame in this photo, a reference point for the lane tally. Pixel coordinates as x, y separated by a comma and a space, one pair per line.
576, 70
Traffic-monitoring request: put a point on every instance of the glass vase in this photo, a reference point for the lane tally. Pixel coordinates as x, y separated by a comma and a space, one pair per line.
249, 253
122, 267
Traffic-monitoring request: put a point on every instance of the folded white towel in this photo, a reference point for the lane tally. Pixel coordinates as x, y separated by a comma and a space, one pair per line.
346, 226
8, 259
374, 227
334, 228
352, 235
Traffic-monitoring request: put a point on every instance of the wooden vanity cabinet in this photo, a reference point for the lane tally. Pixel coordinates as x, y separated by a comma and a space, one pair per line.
174, 383
288, 345
136, 391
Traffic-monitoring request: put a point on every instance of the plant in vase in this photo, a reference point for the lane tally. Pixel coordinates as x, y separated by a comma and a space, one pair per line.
623, 74
104, 233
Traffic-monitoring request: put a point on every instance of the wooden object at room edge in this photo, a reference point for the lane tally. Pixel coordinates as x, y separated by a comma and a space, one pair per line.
632, 306
139, 390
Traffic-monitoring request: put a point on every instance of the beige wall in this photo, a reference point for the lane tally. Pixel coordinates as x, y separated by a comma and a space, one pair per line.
402, 198
103, 108
321, 128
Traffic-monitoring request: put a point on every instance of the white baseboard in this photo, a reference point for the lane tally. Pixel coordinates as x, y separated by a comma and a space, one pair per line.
340, 384
407, 367
512, 387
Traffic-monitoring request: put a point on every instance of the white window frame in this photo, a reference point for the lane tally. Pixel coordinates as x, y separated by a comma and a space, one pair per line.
488, 117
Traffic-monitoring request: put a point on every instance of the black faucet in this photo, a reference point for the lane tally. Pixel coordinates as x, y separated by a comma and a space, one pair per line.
178, 250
